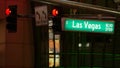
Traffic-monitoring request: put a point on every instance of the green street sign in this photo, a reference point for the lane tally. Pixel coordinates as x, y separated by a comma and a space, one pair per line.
85, 25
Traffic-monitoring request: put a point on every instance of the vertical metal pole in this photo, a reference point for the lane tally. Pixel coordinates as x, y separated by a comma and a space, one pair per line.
94, 2
92, 56
106, 3
104, 50
113, 53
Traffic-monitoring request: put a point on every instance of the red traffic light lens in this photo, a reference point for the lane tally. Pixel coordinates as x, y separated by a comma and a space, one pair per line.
7, 11
54, 12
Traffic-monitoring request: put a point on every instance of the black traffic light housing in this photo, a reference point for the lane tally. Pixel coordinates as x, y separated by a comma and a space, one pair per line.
56, 24
11, 18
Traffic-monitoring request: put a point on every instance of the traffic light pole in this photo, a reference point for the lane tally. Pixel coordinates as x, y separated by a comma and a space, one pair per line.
87, 16
80, 5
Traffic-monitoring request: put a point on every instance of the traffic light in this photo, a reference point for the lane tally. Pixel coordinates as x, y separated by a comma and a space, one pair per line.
11, 18
56, 13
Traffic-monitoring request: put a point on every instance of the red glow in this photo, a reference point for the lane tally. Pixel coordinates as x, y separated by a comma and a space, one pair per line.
54, 12
7, 11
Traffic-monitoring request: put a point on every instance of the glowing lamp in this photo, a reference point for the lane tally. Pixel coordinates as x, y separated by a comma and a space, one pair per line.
54, 12
7, 11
